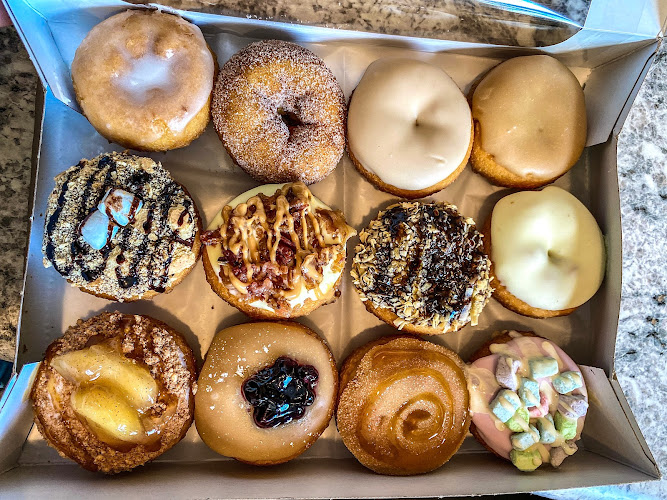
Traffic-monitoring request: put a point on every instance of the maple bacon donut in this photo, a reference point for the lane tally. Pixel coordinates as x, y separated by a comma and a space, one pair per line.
530, 122
409, 128
115, 391
266, 392
280, 113
276, 251
403, 405
143, 78
547, 252
528, 400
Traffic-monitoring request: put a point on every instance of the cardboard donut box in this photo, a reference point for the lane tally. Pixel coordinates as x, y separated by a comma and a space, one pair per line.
610, 56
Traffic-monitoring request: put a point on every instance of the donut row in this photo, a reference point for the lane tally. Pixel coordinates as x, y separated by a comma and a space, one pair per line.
118, 390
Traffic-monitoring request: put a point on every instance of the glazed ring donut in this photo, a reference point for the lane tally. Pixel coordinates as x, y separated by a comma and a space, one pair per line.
143, 78
547, 252
266, 392
528, 399
121, 228
403, 405
276, 251
409, 128
115, 391
530, 122
280, 113
421, 268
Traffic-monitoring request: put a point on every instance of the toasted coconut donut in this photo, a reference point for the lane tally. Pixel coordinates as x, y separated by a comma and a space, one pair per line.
403, 405
420, 267
143, 78
115, 391
548, 249
409, 128
276, 251
266, 392
280, 113
151, 254
529, 121
505, 364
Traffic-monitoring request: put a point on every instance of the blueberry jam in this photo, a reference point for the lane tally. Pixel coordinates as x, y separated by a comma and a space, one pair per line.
281, 392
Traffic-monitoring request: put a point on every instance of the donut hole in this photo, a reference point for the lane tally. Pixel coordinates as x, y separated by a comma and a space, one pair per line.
289, 118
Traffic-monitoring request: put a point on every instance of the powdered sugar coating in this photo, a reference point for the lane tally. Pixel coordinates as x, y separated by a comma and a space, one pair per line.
280, 113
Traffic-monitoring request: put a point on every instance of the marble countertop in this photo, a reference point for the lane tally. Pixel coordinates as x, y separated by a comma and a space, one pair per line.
642, 170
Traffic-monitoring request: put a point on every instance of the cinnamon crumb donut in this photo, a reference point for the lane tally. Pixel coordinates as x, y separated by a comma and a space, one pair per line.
115, 391
280, 113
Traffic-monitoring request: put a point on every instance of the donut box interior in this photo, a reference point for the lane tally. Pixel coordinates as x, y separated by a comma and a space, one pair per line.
610, 56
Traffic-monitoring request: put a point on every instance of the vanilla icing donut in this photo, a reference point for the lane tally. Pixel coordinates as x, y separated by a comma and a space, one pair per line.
266, 392
547, 252
276, 251
528, 399
144, 78
530, 122
409, 127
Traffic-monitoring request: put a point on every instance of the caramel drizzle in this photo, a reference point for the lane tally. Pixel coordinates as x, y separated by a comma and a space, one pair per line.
250, 226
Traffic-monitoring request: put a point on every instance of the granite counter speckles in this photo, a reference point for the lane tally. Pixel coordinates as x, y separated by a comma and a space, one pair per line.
17, 104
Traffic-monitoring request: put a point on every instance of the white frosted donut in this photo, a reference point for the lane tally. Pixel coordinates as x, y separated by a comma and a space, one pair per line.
409, 124
547, 249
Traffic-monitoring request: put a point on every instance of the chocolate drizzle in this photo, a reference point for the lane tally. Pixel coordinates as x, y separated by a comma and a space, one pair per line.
140, 255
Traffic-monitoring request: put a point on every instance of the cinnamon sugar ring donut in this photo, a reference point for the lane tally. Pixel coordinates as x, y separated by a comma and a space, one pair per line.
266, 392
420, 267
115, 391
121, 228
280, 113
403, 405
528, 399
143, 78
276, 251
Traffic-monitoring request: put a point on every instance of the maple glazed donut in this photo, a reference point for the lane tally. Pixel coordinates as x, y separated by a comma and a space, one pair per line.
403, 405
143, 78
547, 252
266, 392
528, 399
280, 113
121, 228
421, 268
530, 122
115, 391
409, 128
276, 251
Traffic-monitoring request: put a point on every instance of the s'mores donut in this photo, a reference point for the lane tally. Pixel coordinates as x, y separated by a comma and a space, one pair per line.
276, 251
409, 128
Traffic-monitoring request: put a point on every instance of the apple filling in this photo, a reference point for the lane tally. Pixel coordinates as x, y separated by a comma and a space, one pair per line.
112, 394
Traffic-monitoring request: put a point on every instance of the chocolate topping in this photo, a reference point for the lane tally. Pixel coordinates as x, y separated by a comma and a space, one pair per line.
139, 257
424, 262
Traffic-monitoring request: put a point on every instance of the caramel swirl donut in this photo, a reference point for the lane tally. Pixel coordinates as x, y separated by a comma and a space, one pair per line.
280, 113
143, 78
276, 251
403, 405
115, 391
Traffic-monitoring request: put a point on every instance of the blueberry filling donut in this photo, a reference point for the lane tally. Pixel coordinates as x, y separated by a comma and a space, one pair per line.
119, 227
266, 392
421, 268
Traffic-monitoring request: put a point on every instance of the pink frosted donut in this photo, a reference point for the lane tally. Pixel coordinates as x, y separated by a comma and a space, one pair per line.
511, 420
280, 113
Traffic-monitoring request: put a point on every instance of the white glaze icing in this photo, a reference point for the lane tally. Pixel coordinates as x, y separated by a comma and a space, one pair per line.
547, 249
532, 116
408, 123
329, 277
